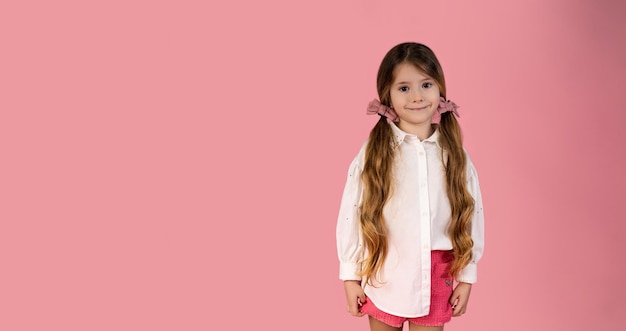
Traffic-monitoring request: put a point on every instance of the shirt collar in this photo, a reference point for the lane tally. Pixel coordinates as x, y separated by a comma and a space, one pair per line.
400, 135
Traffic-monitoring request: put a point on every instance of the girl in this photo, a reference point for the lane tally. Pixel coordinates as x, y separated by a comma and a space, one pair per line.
410, 226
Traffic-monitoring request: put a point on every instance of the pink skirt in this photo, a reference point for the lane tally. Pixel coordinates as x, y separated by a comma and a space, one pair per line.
440, 292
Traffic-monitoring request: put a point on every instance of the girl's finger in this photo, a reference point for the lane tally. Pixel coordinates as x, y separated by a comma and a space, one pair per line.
355, 309
453, 299
460, 308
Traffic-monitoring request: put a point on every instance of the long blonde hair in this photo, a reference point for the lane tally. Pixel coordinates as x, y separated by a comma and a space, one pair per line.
379, 157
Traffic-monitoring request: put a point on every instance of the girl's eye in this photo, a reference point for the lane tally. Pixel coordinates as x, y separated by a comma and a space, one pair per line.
404, 88
427, 85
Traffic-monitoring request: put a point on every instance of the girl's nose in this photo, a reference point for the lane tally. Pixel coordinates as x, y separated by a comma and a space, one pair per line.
417, 96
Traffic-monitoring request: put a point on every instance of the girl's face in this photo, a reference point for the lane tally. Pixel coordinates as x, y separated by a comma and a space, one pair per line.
414, 97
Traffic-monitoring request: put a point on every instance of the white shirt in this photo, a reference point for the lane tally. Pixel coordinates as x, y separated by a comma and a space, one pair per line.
417, 216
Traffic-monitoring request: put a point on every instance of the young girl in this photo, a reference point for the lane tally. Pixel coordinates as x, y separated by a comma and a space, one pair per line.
410, 226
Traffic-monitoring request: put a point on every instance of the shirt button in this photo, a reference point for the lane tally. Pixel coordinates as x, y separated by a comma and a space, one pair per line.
421, 153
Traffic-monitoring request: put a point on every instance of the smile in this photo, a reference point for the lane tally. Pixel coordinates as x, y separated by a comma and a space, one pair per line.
418, 109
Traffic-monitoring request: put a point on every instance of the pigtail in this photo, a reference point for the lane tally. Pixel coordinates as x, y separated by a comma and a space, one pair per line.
376, 177
461, 202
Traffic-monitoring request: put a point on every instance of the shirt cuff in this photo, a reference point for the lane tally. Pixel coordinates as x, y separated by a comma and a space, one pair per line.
469, 274
349, 271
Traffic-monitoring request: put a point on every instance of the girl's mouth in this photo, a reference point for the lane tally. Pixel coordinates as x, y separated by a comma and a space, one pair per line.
418, 108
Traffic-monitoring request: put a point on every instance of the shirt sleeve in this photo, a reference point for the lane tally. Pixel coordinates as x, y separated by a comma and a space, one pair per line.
349, 244
469, 274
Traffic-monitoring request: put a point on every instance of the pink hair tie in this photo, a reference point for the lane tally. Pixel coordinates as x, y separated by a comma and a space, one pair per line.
446, 106
375, 107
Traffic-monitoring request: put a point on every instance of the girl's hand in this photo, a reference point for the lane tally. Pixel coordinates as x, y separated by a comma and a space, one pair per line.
355, 297
459, 298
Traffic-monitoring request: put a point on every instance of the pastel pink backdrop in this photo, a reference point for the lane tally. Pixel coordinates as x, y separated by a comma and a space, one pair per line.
178, 165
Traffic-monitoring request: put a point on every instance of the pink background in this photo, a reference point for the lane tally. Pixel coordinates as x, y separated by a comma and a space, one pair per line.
178, 165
